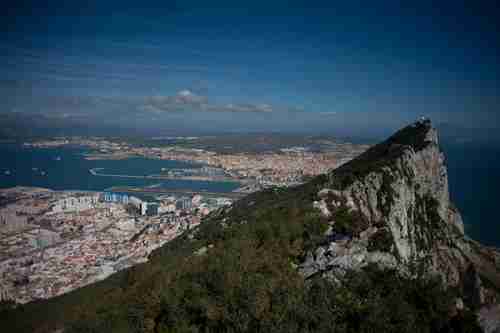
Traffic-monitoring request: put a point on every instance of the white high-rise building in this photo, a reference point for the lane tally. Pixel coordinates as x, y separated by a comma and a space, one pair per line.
144, 208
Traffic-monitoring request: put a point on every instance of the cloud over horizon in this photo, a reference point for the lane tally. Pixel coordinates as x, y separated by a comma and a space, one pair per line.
113, 107
186, 100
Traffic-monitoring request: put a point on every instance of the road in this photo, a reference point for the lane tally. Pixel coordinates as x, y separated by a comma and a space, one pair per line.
232, 195
95, 172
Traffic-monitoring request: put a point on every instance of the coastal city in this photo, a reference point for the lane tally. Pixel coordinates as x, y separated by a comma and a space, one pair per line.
279, 167
52, 242
249, 166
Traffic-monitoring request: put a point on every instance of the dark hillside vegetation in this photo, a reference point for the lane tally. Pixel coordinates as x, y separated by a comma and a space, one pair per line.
245, 281
237, 272
382, 154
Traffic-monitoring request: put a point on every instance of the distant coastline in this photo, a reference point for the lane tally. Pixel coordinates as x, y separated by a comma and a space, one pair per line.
26, 164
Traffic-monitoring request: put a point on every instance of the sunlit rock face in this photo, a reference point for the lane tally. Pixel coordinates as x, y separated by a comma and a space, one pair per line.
391, 207
410, 195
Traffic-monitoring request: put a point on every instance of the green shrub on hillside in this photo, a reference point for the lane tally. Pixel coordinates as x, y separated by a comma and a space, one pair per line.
348, 222
246, 280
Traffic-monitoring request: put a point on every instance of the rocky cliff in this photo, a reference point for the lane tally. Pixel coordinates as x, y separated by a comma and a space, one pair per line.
373, 246
391, 207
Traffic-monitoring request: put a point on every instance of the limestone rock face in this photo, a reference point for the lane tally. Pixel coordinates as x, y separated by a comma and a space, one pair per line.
399, 188
410, 195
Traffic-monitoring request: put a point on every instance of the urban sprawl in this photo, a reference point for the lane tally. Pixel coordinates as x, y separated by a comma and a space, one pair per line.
52, 242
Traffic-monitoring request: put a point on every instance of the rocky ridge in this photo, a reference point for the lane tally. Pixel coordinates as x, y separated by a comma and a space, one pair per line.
373, 246
391, 207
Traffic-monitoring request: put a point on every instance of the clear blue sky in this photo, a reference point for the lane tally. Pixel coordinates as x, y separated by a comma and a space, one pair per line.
265, 65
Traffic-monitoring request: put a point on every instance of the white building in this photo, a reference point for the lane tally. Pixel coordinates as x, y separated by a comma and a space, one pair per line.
10, 221
196, 200
166, 208
76, 203
144, 208
136, 202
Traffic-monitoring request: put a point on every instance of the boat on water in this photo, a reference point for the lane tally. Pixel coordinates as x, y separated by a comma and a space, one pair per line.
94, 171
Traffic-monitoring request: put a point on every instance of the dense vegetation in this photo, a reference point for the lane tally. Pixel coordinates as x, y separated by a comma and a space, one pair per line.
237, 272
245, 279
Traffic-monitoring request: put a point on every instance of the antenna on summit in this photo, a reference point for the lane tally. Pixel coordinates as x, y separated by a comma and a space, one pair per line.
422, 119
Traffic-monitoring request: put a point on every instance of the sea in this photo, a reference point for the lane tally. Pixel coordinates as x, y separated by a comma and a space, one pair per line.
473, 171
474, 181
67, 169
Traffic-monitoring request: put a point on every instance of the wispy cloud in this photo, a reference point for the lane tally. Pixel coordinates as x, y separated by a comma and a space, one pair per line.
186, 100
247, 108
97, 106
328, 113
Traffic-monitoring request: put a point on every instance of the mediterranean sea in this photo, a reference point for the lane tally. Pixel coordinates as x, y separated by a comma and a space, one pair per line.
473, 174
67, 169
474, 180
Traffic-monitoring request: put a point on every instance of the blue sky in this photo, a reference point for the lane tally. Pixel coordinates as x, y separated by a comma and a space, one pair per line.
273, 65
